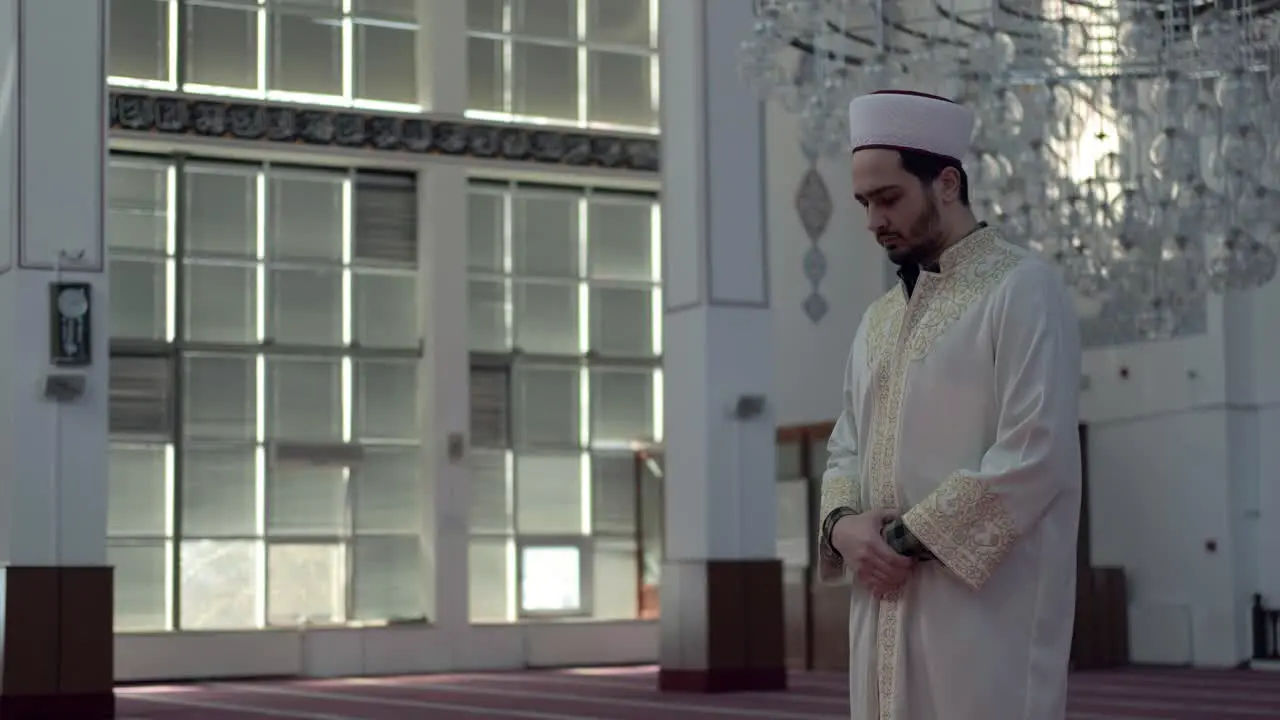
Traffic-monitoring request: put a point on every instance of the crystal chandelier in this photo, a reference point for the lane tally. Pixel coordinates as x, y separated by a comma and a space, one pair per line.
1134, 142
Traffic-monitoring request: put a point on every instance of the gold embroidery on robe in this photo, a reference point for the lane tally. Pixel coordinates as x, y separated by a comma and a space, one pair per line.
883, 320
905, 332
976, 274
965, 526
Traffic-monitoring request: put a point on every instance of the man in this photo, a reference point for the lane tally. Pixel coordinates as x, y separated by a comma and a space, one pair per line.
952, 495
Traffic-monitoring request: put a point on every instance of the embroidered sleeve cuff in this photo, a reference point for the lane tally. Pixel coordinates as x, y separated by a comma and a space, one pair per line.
965, 526
837, 492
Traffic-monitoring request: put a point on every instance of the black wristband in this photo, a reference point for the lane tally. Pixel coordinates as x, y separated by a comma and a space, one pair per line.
904, 542
829, 524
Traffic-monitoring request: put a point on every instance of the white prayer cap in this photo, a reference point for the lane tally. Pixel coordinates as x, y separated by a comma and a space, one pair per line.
903, 120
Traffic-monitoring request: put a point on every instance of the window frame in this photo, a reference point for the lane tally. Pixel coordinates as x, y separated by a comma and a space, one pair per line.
176, 51
586, 362
506, 37
176, 350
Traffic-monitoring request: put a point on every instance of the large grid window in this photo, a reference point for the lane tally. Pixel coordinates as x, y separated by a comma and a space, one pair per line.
265, 437
334, 52
566, 389
589, 63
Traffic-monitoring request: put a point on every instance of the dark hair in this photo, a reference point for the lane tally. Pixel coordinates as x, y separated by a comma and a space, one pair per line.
926, 167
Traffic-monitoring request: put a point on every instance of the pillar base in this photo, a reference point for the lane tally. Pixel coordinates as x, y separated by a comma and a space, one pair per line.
722, 626
57, 647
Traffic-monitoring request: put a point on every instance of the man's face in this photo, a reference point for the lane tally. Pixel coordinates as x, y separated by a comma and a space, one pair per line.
902, 212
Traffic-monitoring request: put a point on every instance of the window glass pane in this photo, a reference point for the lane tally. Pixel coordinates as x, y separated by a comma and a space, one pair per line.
388, 491
613, 494
138, 495
219, 496
386, 222
485, 15
222, 211
139, 39
222, 46
141, 397
549, 494
137, 299
622, 321
619, 22
620, 239
791, 525
546, 318
546, 401
490, 408
221, 303
651, 524
305, 214
306, 52
386, 61
306, 307
615, 579
486, 86
140, 571
402, 10
306, 500
489, 573
220, 397
545, 81
788, 459
306, 399
488, 315
137, 205
485, 229
387, 401
306, 584
545, 235
387, 579
621, 405
550, 579
221, 584
490, 494
386, 310
619, 89
557, 19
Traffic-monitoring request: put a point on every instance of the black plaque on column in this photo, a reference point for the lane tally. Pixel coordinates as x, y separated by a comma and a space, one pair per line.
70, 316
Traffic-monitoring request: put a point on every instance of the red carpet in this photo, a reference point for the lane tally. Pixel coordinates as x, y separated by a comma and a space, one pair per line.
630, 694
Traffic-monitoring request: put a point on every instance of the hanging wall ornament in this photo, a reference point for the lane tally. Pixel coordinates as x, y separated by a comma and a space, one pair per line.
813, 205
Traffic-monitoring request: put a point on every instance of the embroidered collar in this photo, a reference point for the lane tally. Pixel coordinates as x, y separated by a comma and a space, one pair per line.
966, 248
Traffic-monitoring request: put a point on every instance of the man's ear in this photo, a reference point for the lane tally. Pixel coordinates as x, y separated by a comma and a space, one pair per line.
948, 184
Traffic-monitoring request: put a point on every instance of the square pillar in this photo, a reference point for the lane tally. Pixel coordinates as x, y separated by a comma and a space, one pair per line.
721, 587
56, 643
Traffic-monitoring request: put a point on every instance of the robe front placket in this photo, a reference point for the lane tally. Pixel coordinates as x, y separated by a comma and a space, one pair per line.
890, 376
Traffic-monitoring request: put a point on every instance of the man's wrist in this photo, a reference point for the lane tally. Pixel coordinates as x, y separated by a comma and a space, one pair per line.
829, 525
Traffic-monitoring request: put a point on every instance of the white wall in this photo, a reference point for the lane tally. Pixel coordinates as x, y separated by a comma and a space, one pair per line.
1176, 446
810, 358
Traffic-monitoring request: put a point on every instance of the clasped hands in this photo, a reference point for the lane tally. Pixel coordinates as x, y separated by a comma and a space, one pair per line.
858, 540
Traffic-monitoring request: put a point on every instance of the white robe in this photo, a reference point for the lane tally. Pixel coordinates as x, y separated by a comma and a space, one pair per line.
963, 400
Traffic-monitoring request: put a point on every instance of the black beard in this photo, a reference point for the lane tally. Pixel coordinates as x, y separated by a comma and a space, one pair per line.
927, 226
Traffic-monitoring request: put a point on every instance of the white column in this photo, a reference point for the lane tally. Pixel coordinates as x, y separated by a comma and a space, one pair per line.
442, 232
53, 454
52, 165
720, 484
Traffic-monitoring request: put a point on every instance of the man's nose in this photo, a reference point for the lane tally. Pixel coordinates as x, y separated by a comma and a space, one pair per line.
875, 221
